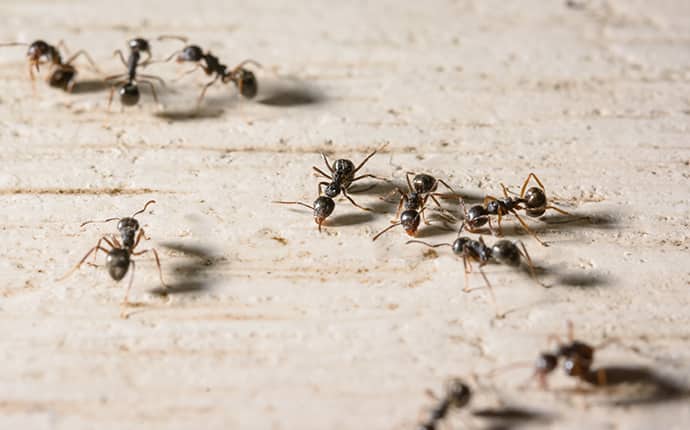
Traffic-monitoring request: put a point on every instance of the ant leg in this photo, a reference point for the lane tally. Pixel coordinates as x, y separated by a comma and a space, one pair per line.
528, 259
247, 61
112, 92
188, 72
468, 269
139, 235
98, 245
125, 300
203, 91
491, 293
355, 203
320, 186
85, 55
95, 248
571, 331
559, 210
528, 230
118, 52
158, 263
445, 184
403, 198
367, 158
321, 172
328, 163
153, 90
380, 178
505, 190
409, 183
384, 230
524, 184
154, 77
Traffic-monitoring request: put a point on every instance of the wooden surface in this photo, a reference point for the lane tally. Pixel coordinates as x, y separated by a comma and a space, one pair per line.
272, 324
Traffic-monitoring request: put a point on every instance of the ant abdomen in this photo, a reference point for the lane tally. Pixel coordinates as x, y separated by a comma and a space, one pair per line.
117, 263
535, 199
247, 83
506, 252
62, 78
424, 183
129, 94
410, 221
477, 216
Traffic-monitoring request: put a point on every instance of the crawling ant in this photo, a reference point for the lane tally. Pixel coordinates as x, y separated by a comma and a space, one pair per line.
244, 79
420, 189
128, 83
342, 176
118, 257
533, 201
323, 207
457, 396
63, 74
577, 359
501, 252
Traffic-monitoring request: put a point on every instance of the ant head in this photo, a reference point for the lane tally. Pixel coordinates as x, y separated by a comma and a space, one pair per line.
506, 252
459, 245
191, 53
129, 94
332, 190
476, 216
424, 183
117, 263
37, 49
546, 363
128, 224
409, 219
246, 83
459, 393
62, 77
323, 208
344, 167
139, 45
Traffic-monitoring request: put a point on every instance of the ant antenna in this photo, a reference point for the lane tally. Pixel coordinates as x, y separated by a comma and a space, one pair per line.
428, 244
94, 222
293, 203
14, 44
182, 39
150, 202
385, 230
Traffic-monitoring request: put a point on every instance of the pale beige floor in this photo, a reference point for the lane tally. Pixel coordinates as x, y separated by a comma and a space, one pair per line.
282, 327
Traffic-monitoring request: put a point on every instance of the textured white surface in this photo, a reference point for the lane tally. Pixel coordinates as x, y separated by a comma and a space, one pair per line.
296, 329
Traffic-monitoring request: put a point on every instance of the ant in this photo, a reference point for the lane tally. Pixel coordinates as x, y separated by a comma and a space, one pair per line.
129, 82
501, 252
577, 359
420, 189
323, 207
118, 257
457, 395
244, 79
533, 201
342, 176
63, 73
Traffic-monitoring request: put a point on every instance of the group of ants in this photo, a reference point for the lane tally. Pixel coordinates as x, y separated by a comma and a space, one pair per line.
576, 356
63, 73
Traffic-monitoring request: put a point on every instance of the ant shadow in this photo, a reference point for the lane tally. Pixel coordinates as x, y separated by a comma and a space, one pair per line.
193, 114
573, 278
658, 388
507, 417
290, 92
351, 219
600, 220
191, 275
90, 86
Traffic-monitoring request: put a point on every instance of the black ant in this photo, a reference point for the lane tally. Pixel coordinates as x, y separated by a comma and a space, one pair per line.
323, 207
577, 359
533, 201
342, 176
501, 252
118, 258
420, 189
63, 73
457, 396
244, 79
129, 82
